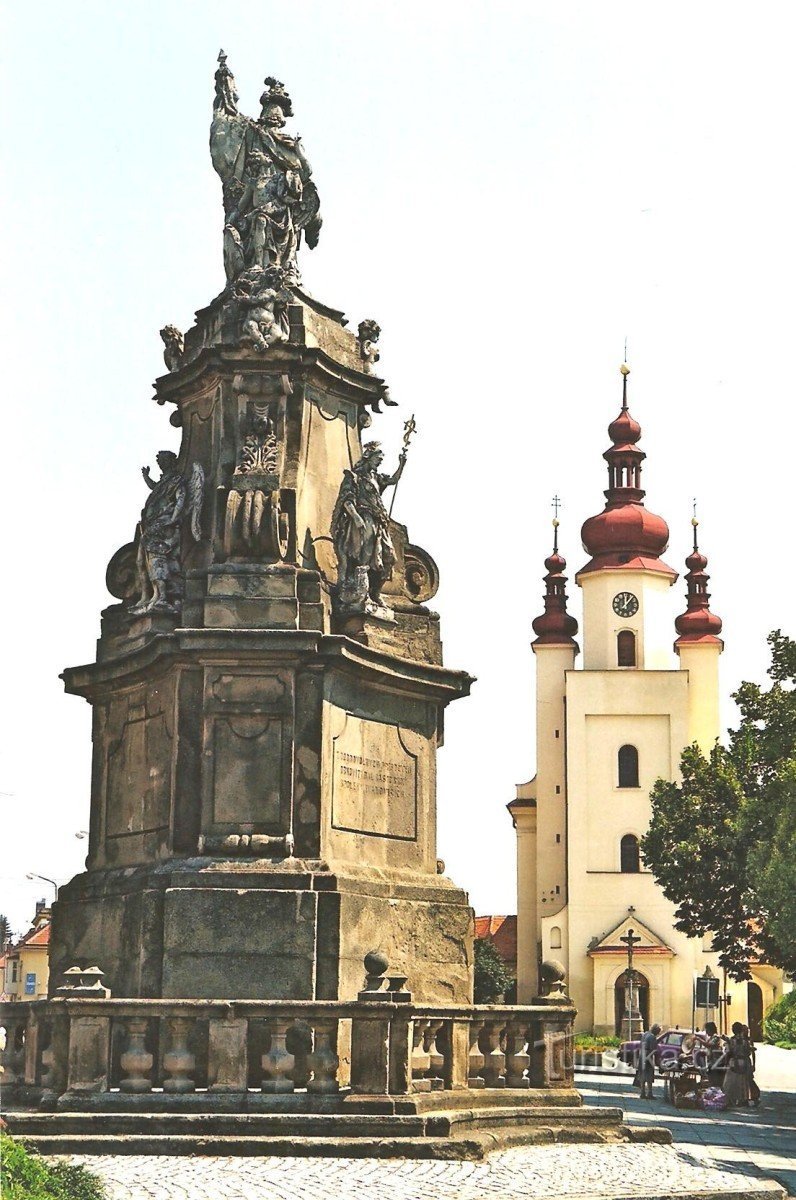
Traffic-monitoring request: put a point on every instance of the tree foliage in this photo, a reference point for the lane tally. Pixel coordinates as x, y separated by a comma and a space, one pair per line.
722, 842
5, 930
492, 977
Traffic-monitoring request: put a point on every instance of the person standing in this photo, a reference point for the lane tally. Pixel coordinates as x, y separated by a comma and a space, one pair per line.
714, 1055
645, 1074
739, 1067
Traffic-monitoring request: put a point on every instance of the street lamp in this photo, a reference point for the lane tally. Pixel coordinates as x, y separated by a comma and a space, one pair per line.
34, 875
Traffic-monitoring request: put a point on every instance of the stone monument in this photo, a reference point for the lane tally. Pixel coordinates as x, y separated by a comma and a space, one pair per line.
269, 693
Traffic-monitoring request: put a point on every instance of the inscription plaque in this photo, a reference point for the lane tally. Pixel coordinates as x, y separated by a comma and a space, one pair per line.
374, 780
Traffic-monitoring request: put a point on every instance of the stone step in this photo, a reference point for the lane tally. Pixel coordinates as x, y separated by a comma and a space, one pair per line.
442, 1135
347, 1124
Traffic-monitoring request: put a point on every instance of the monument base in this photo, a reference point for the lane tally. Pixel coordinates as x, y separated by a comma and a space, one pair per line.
263, 930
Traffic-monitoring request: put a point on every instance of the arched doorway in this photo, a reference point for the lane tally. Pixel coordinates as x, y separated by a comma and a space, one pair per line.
643, 1000
754, 1007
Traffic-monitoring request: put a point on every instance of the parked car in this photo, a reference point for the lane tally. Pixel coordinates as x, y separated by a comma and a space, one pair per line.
672, 1043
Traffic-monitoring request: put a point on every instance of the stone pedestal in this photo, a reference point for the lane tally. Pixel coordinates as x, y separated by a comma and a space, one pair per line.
263, 804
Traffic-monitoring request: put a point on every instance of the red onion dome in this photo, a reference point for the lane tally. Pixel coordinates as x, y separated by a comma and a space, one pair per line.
625, 529
625, 430
697, 623
555, 626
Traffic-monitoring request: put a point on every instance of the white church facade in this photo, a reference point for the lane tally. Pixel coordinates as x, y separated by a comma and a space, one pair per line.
604, 733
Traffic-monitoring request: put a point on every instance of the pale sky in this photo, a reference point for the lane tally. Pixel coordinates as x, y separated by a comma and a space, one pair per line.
511, 190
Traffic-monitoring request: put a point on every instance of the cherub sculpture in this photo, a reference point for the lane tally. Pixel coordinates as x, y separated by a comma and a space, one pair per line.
368, 335
173, 346
172, 501
361, 534
262, 296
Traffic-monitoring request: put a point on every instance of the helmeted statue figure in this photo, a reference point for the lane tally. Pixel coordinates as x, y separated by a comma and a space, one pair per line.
361, 534
172, 500
269, 197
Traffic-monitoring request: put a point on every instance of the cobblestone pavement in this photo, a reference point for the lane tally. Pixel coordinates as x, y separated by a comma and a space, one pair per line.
532, 1171
730, 1151
760, 1141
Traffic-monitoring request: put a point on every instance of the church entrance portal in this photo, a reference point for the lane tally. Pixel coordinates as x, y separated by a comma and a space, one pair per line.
754, 1002
643, 1000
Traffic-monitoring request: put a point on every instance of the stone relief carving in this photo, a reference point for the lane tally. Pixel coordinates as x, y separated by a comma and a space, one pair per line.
270, 201
361, 535
256, 526
173, 346
175, 499
262, 300
258, 448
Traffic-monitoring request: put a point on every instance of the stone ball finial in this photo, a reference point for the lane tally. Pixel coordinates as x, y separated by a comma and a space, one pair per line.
376, 962
552, 971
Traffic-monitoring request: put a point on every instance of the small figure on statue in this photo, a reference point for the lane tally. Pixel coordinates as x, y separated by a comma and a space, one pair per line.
172, 500
361, 535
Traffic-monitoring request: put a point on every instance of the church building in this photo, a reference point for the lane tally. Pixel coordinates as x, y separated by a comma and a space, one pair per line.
604, 734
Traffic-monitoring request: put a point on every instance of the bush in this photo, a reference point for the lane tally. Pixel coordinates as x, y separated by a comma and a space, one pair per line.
590, 1043
779, 1024
26, 1176
492, 978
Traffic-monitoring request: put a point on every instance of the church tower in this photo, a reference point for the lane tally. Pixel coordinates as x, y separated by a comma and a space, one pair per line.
604, 734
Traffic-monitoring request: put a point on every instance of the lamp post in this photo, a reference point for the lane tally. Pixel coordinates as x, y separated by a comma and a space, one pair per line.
632, 1017
34, 875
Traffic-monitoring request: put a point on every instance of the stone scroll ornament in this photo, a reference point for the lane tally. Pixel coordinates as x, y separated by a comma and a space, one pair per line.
361, 535
270, 201
174, 500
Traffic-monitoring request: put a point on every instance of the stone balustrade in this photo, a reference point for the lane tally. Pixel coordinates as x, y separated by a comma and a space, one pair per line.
75, 1047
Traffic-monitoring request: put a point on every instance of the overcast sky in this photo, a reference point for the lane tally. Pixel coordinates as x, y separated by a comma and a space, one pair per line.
511, 190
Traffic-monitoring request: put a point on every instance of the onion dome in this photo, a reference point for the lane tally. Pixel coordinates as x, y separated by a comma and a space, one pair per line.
697, 623
555, 627
625, 534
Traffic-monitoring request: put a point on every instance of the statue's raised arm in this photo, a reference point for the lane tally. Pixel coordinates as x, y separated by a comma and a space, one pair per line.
270, 201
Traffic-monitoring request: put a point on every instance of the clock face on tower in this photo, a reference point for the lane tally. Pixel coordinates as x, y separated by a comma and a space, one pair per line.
625, 604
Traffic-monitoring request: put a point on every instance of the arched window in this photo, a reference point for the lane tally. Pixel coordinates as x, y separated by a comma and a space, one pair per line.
555, 938
626, 648
628, 766
629, 860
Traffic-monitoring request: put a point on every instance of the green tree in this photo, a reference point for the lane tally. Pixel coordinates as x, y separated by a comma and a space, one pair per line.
722, 843
492, 977
5, 930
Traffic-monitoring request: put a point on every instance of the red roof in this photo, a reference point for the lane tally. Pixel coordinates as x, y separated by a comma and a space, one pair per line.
502, 933
37, 937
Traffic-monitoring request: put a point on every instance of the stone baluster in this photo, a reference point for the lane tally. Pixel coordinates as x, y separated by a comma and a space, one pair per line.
178, 1061
475, 1070
421, 1059
278, 1062
136, 1061
324, 1060
14, 1051
518, 1061
494, 1058
436, 1069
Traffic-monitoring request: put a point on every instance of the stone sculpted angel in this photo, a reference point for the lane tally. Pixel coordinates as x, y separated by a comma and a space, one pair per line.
173, 500
361, 534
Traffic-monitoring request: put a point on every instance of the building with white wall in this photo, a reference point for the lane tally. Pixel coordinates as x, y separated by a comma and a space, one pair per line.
604, 734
